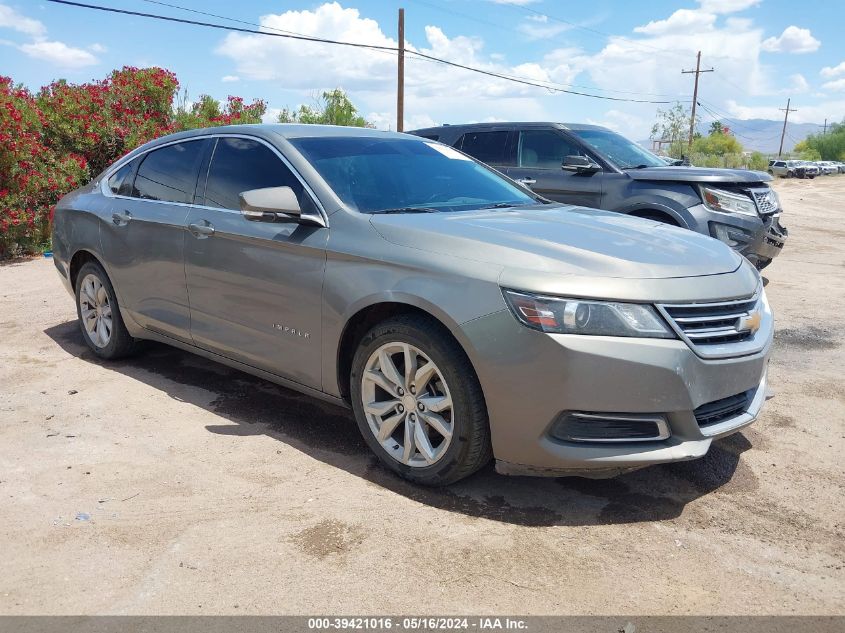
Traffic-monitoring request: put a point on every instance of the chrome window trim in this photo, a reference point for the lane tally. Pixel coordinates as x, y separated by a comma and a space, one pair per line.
322, 219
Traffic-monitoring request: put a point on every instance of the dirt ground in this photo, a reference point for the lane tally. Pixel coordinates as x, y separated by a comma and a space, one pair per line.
171, 484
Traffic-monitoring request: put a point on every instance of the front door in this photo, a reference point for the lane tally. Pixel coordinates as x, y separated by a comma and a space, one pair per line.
540, 154
143, 238
255, 287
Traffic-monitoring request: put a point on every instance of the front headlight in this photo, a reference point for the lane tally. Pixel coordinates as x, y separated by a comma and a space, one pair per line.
727, 201
581, 316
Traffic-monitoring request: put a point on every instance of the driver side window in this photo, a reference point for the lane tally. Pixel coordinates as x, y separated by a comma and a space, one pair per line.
545, 149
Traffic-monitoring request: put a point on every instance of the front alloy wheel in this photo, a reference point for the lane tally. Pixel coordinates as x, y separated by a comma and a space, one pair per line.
418, 401
407, 404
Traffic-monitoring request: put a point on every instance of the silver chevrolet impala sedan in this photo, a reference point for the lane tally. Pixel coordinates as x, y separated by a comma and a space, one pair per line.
459, 315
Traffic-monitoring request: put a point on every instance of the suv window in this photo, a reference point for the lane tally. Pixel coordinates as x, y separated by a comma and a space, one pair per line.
545, 149
488, 147
169, 173
241, 164
120, 182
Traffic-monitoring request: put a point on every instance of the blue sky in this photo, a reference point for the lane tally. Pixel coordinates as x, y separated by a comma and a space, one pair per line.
763, 51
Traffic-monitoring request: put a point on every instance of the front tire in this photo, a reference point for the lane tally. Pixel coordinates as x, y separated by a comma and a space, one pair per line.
418, 402
99, 314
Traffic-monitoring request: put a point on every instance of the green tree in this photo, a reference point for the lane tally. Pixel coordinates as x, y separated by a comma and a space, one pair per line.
673, 125
206, 111
829, 146
716, 128
332, 108
717, 144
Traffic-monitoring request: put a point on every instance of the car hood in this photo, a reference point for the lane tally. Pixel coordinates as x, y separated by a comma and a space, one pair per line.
563, 240
697, 174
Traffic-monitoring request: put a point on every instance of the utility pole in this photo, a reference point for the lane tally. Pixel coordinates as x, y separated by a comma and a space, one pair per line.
824, 131
786, 112
400, 92
696, 72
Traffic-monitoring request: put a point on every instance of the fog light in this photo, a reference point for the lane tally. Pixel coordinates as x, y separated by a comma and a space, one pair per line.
574, 426
730, 235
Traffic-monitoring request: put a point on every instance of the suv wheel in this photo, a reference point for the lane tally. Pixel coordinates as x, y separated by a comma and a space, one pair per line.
99, 315
418, 402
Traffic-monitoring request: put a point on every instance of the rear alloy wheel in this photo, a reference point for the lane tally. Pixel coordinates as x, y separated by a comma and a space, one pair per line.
99, 315
418, 402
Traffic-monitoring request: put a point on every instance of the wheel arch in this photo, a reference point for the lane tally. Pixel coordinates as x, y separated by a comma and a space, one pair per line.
656, 214
78, 260
367, 316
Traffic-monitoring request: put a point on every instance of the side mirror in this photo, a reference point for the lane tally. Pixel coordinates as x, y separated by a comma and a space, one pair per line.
580, 164
271, 204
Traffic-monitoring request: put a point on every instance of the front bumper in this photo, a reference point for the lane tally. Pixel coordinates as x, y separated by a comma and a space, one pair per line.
529, 378
759, 239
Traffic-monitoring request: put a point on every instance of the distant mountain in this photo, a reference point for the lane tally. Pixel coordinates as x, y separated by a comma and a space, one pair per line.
763, 135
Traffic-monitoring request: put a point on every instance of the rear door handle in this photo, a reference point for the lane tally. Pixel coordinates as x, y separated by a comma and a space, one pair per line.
122, 218
527, 181
203, 230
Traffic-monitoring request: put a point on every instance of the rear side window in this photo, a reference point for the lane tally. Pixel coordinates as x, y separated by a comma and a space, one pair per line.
169, 173
120, 182
240, 164
545, 149
488, 147
430, 137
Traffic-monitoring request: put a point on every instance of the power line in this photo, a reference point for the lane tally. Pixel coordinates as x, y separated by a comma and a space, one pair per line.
510, 30
519, 80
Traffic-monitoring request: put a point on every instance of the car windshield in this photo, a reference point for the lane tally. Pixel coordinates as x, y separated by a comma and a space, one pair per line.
396, 175
617, 149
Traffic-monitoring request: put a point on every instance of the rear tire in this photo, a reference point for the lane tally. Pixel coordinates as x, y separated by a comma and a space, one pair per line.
404, 372
99, 314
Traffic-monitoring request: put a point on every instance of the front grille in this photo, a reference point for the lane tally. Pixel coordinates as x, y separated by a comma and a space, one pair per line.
765, 202
713, 323
724, 409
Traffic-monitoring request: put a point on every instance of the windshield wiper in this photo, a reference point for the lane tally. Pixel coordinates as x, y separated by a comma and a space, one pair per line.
635, 167
408, 210
506, 205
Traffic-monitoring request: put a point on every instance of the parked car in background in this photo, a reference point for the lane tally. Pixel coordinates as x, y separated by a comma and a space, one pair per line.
459, 315
592, 166
792, 169
807, 169
827, 167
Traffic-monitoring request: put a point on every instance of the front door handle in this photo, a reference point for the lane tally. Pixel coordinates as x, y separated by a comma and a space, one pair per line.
203, 230
122, 218
527, 181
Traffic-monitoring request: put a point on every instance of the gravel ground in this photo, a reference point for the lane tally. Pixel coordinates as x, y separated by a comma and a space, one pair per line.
171, 484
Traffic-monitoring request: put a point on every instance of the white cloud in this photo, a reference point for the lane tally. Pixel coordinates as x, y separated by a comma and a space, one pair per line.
9, 18
59, 54
229, 78
833, 71
681, 21
793, 40
727, 6
537, 27
837, 86
799, 84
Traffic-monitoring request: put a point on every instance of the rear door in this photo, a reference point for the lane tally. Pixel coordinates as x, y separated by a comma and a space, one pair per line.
255, 287
494, 147
540, 155
144, 241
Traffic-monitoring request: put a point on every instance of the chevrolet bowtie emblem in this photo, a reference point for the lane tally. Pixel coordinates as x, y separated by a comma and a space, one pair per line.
750, 322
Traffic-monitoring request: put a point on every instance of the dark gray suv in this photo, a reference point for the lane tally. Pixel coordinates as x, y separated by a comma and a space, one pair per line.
592, 166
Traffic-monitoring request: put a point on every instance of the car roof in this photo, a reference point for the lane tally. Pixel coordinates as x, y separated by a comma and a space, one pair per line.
511, 124
285, 130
